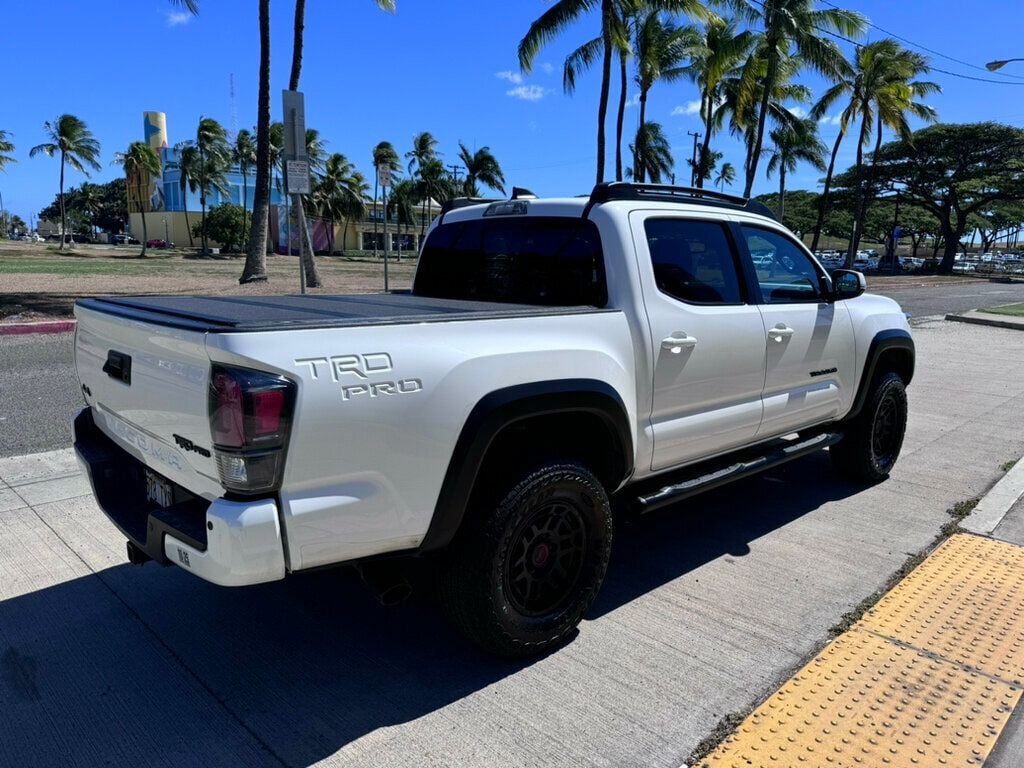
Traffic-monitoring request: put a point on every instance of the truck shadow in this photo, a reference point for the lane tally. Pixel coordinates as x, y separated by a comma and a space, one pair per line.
148, 665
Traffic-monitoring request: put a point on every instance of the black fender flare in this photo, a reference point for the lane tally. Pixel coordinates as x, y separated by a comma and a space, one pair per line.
503, 407
883, 342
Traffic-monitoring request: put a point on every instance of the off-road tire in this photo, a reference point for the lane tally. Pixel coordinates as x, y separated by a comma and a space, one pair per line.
872, 443
493, 568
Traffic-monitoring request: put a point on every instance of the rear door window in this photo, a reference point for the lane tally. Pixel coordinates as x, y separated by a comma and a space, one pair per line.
545, 260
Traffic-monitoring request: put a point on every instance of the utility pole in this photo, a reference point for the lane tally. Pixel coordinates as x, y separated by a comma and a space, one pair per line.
895, 232
693, 172
454, 171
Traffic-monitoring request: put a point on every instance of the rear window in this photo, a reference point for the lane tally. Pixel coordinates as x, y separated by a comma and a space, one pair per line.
546, 260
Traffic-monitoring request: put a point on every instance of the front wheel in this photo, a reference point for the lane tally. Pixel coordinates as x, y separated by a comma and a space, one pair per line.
530, 561
868, 451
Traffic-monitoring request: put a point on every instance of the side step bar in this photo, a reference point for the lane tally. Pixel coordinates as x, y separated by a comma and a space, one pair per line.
775, 455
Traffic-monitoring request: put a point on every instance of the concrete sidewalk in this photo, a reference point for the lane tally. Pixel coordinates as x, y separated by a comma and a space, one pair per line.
706, 608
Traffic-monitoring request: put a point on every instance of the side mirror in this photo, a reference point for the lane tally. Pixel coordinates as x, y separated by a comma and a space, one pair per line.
848, 284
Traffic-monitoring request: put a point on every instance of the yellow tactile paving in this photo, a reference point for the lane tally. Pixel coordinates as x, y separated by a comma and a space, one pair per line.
929, 677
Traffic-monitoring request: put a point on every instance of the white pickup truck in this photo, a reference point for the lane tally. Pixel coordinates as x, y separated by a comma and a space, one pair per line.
553, 356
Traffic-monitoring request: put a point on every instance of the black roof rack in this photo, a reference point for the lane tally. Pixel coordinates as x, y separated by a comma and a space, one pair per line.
624, 190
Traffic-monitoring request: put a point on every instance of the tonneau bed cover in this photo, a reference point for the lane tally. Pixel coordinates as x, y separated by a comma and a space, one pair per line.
234, 314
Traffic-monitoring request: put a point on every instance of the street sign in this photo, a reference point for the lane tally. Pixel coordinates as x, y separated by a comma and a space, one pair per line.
294, 104
298, 177
384, 175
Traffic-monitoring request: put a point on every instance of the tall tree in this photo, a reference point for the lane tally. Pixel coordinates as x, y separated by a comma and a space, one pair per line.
69, 137
188, 173
256, 253
653, 154
138, 161
791, 145
660, 46
794, 28
214, 158
726, 175
423, 151
483, 167
243, 155
717, 54
6, 146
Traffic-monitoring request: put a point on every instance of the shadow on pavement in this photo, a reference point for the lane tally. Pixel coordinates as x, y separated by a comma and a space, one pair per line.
292, 672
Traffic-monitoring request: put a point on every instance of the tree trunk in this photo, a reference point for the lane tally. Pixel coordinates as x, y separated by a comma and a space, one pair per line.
862, 208
145, 234
823, 202
308, 260
762, 117
256, 256
851, 250
952, 242
606, 76
915, 241
620, 119
782, 193
639, 163
184, 206
63, 225
299, 26
705, 150
376, 177
245, 205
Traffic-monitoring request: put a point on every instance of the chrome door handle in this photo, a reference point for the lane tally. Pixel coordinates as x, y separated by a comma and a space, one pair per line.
780, 332
676, 343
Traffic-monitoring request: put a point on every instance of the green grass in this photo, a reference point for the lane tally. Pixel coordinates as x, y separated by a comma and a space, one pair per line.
79, 265
1015, 310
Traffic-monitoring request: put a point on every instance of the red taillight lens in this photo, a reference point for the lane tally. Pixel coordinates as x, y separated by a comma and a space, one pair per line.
250, 418
266, 411
227, 419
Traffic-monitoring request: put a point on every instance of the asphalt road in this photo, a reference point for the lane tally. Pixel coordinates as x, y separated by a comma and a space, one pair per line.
40, 392
706, 607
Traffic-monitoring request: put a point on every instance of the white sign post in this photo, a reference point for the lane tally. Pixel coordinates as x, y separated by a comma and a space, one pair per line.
296, 176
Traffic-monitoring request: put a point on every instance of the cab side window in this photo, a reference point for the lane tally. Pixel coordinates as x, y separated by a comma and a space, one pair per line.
693, 261
784, 272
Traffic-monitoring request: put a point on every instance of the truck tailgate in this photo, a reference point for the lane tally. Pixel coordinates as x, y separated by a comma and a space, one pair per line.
148, 387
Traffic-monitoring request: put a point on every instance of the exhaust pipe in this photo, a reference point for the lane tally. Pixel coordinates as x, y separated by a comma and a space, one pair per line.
386, 582
136, 556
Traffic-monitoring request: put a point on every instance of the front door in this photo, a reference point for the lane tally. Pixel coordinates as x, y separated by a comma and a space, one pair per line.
707, 337
809, 339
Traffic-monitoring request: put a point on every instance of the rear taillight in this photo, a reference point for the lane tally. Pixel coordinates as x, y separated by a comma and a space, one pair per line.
250, 418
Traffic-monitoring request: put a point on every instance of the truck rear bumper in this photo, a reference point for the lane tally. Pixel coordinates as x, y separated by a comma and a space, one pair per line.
231, 543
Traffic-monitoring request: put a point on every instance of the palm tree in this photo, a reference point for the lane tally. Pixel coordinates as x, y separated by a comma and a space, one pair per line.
256, 253
243, 154
423, 150
78, 148
188, 173
139, 161
89, 199
435, 182
5, 147
343, 191
403, 199
481, 166
792, 145
660, 47
726, 175
653, 153
795, 28
717, 54
214, 157
384, 154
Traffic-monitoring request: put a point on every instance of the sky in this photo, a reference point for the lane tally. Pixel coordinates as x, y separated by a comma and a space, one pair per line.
446, 67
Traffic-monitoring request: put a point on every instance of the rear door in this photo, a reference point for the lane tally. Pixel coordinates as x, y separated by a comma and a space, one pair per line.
148, 387
809, 339
707, 336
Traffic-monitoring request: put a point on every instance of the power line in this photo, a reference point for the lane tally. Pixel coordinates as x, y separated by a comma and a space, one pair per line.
934, 52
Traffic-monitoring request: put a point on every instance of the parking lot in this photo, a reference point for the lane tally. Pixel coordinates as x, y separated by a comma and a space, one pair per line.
706, 608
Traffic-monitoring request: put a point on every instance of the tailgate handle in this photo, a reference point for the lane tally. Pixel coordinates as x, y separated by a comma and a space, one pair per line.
118, 366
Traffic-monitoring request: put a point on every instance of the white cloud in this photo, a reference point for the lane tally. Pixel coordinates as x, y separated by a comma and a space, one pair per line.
513, 77
178, 18
528, 92
797, 111
547, 68
689, 108
634, 100
830, 120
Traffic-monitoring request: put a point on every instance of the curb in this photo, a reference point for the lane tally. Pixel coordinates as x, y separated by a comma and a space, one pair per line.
990, 511
989, 320
43, 326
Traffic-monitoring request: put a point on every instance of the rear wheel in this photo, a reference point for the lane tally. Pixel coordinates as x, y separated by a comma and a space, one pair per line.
868, 451
530, 561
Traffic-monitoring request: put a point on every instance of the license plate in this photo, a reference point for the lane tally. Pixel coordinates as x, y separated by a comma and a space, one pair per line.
158, 490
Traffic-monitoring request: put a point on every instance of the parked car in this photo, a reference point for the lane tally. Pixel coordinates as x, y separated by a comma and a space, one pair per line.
551, 355
159, 244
